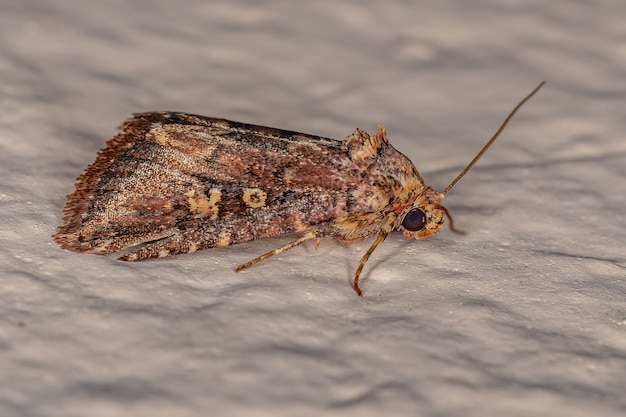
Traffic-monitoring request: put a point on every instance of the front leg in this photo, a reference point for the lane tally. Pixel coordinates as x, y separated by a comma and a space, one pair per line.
384, 231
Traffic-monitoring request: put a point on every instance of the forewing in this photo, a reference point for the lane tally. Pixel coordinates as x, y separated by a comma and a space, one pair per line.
182, 182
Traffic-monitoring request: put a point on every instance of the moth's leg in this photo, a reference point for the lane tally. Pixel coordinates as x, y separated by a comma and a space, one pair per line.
157, 249
190, 237
312, 234
382, 235
93, 236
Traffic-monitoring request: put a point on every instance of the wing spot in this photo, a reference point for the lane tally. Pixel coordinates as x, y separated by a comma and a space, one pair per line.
202, 206
254, 197
160, 135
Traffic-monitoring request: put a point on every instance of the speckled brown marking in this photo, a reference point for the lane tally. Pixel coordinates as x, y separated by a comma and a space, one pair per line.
173, 183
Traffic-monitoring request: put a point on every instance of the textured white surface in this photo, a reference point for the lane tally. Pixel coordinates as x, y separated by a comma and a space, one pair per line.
523, 316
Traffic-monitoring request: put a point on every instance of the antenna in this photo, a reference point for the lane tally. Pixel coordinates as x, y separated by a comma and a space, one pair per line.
493, 138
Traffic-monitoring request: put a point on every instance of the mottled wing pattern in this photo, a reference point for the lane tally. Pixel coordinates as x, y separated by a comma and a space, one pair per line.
182, 182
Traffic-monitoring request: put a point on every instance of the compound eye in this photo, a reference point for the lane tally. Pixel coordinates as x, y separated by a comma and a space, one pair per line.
414, 220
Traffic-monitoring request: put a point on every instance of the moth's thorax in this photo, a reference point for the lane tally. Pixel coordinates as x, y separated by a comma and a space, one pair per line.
390, 187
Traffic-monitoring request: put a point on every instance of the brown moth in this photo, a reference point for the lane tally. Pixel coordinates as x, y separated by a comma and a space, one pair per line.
173, 183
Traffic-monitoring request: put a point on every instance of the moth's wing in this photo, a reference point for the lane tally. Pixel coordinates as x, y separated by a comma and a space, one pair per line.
182, 183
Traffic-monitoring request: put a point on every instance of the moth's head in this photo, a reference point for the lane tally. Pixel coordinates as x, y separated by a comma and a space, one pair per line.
424, 217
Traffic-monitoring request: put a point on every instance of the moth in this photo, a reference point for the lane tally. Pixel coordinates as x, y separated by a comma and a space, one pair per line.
173, 183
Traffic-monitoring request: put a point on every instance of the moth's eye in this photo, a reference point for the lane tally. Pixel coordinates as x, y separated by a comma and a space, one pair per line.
414, 220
